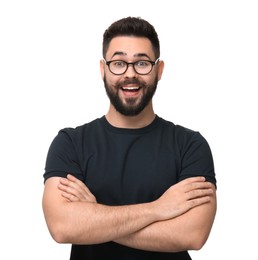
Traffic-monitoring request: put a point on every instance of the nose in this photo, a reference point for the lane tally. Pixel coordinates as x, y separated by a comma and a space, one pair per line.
130, 72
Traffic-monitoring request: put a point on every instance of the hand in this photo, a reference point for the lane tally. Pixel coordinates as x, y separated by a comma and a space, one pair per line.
177, 200
75, 190
183, 196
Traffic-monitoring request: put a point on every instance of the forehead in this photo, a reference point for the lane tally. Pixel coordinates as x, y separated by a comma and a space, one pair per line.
130, 46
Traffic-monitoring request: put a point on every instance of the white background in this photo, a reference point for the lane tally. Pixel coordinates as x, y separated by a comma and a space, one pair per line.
49, 79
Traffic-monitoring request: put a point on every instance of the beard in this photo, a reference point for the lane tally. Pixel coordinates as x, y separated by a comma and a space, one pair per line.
131, 106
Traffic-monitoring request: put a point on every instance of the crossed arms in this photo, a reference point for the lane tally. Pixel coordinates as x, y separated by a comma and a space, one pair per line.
181, 219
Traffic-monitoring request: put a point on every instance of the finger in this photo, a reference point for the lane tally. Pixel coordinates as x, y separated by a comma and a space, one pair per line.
197, 202
81, 184
198, 185
69, 187
198, 193
72, 184
61, 187
70, 197
193, 180
75, 180
74, 187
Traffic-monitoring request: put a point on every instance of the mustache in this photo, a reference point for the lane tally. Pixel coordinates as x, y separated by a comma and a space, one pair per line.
130, 81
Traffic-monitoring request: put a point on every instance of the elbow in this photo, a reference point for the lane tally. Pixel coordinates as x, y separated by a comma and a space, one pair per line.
58, 233
198, 241
197, 245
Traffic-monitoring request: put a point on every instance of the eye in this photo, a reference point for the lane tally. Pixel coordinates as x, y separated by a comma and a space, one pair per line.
142, 63
118, 63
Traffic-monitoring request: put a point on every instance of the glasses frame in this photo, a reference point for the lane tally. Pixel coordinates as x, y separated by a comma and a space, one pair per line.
153, 63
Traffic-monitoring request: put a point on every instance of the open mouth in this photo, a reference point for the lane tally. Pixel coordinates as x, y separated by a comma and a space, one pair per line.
131, 89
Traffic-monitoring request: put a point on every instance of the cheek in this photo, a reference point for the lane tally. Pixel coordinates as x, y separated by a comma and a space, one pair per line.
110, 82
151, 79
113, 80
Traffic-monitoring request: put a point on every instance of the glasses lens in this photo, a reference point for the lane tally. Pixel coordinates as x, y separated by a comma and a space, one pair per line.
118, 66
143, 66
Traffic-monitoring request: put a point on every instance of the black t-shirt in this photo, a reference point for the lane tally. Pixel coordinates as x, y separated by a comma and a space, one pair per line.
127, 166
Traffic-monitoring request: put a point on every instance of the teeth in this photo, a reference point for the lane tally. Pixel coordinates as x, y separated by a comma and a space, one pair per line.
130, 88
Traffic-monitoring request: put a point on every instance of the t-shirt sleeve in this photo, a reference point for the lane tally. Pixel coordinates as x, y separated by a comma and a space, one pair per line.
62, 158
197, 159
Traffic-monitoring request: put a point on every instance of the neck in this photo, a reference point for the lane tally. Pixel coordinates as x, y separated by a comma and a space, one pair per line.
141, 120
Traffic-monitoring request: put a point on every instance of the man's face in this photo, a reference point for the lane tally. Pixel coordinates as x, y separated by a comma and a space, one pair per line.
130, 92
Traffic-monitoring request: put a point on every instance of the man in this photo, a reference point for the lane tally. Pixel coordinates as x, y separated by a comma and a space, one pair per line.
130, 185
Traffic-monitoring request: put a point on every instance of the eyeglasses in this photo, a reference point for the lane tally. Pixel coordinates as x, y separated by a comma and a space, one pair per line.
142, 67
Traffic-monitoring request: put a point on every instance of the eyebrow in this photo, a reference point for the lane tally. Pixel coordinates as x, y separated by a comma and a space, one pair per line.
135, 55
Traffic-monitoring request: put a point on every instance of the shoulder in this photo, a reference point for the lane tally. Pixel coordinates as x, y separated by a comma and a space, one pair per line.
81, 129
69, 137
177, 130
193, 151
182, 137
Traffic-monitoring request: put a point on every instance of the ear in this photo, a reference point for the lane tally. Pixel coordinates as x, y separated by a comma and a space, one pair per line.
102, 68
160, 69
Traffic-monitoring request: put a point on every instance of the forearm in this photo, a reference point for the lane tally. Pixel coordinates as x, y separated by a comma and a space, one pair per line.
90, 223
74, 216
159, 236
185, 232
155, 237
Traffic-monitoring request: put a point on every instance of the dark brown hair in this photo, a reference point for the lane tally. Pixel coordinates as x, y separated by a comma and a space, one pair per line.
131, 26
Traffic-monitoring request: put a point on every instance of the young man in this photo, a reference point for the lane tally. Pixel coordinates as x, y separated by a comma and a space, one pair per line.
130, 185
